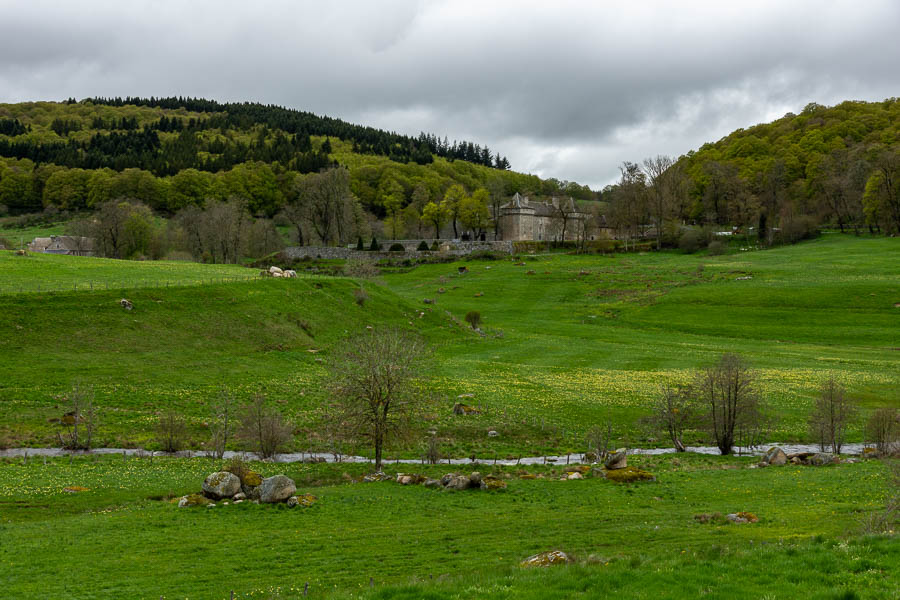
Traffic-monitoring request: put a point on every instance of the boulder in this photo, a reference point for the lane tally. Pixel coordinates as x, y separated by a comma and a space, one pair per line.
290, 273
616, 460
126, 304
575, 475
821, 459
492, 484
432, 483
493, 433
221, 484
547, 559
21, 252
275, 271
775, 456
277, 488
459, 482
239, 497
475, 478
377, 476
409, 479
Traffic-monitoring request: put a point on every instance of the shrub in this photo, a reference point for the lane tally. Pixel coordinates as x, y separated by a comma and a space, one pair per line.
170, 431
797, 229
716, 248
473, 318
435, 246
5, 243
360, 295
395, 247
374, 246
264, 427
883, 429
690, 241
423, 246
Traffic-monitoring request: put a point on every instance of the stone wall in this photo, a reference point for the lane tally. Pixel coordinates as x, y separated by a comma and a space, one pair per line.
448, 248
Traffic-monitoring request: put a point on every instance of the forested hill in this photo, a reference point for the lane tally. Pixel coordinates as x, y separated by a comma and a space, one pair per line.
175, 152
838, 164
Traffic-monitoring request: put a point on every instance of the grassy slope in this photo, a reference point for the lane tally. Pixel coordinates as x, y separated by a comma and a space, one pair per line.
142, 547
62, 273
574, 345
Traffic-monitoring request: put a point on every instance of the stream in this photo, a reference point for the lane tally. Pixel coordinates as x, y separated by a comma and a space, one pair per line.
848, 449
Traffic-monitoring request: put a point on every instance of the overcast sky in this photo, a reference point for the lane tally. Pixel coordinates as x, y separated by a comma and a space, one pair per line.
563, 89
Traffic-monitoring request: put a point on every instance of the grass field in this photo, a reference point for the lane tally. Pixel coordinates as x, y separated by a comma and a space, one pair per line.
51, 272
567, 340
122, 537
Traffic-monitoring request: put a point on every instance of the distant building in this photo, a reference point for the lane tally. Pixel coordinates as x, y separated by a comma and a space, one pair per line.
71, 245
557, 220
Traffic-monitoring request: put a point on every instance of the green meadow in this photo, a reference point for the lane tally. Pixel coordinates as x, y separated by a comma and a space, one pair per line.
122, 536
566, 341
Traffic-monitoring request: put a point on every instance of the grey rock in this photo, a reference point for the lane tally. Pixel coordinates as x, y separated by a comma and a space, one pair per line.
277, 488
616, 460
774, 457
221, 485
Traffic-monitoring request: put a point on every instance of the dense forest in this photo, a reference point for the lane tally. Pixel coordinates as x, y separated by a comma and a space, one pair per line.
210, 168
333, 182
835, 166
170, 153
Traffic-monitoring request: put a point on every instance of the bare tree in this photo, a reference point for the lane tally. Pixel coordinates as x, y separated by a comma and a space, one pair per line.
831, 415
727, 399
264, 427
372, 385
223, 422
661, 173
170, 431
883, 429
673, 413
80, 420
600, 437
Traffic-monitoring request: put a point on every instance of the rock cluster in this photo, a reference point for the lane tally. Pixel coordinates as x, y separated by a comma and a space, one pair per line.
450, 481
225, 486
547, 559
775, 456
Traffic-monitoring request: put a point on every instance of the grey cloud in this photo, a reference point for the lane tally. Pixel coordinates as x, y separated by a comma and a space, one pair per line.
566, 89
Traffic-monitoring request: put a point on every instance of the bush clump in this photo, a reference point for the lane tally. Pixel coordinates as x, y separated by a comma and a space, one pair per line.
629, 475
691, 240
360, 296
473, 318
395, 247
423, 246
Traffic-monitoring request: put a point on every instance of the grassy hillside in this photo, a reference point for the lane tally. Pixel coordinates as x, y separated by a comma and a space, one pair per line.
50, 272
567, 340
